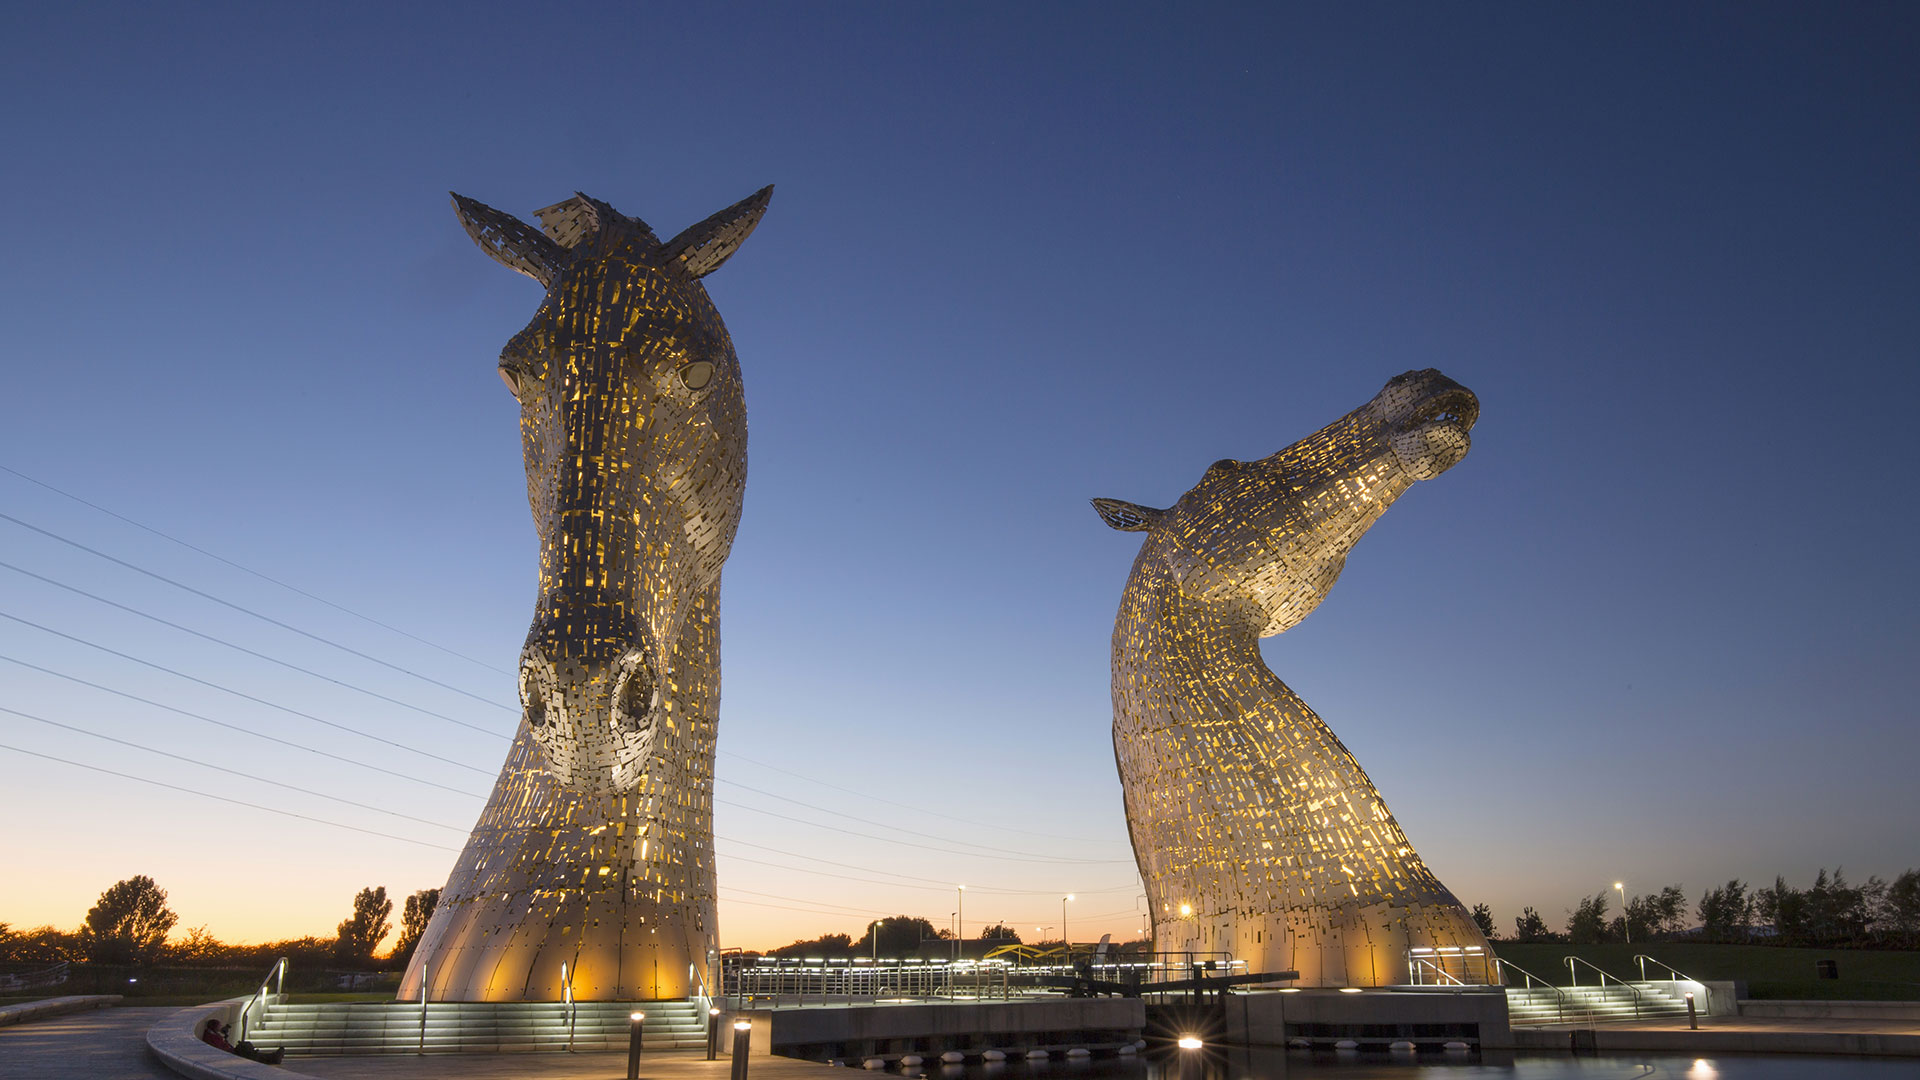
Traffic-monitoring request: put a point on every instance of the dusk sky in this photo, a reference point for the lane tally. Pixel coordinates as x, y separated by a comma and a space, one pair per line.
1659, 627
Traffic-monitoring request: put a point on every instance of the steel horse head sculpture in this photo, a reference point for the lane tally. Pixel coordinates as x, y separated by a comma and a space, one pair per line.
1256, 832
591, 869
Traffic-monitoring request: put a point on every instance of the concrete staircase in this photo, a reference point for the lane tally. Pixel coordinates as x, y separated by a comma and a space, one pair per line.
1613, 1003
464, 1028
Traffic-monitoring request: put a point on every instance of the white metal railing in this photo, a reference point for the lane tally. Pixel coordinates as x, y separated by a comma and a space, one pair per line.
1414, 972
35, 980
277, 975
1559, 995
1573, 979
1642, 959
1467, 965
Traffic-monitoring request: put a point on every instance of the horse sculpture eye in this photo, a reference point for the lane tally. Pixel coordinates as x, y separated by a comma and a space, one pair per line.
696, 375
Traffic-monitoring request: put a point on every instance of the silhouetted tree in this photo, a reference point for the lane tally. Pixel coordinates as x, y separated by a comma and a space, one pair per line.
1588, 923
1529, 927
361, 933
1000, 932
1899, 914
413, 922
826, 945
1483, 918
900, 935
129, 924
1726, 912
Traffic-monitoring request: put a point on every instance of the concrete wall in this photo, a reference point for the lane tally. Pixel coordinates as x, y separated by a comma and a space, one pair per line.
931, 1028
1895, 1013
1262, 1019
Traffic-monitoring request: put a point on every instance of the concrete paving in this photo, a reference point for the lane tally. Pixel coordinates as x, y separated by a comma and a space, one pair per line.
104, 1044
1739, 1034
664, 1065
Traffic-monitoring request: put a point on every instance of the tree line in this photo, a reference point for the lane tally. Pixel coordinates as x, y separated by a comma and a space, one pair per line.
131, 923
1832, 912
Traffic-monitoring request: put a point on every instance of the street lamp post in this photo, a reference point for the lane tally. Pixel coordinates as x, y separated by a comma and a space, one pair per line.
1068, 941
877, 923
960, 919
1626, 930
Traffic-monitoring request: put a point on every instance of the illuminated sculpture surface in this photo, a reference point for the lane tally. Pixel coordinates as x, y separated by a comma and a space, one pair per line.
591, 867
1255, 830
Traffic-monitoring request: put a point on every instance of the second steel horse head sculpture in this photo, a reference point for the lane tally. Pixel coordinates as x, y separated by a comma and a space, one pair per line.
1256, 832
591, 868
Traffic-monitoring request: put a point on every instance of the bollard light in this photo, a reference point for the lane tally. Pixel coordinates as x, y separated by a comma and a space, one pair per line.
635, 1021
1693, 1019
713, 1033
1188, 1042
742, 1045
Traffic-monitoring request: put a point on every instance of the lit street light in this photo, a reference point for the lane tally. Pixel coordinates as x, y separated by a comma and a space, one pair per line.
1063, 923
1626, 931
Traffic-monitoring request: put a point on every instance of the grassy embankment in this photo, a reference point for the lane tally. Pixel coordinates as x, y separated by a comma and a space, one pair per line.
1770, 971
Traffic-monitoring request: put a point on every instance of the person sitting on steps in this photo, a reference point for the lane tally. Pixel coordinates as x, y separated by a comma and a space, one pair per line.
215, 1035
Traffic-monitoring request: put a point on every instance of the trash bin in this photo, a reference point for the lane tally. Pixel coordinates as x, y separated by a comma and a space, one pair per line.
1826, 969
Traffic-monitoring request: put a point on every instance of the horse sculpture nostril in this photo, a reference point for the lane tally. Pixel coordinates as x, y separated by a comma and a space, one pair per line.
536, 713
637, 696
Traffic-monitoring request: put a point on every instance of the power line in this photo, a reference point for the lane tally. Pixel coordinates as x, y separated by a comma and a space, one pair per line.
230, 772
883, 825
248, 611
930, 883
250, 652
237, 693
909, 843
816, 781
224, 799
249, 570
236, 727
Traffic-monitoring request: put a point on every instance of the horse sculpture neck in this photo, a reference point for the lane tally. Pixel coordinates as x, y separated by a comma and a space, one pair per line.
1257, 833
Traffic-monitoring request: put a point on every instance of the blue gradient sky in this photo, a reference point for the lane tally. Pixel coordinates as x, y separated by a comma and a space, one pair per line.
1660, 626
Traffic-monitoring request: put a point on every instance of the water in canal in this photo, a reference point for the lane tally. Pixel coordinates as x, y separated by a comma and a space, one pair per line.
1277, 1064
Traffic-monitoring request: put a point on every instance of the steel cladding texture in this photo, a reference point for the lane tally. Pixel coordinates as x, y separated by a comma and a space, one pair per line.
1244, 809
591, 867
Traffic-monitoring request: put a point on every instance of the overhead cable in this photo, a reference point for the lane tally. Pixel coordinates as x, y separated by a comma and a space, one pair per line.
249, 570
224, 799
244, 730
238, 693
230, 772
249, 611
251, 652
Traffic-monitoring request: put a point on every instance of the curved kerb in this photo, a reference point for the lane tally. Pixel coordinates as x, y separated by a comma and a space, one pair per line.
175, 1043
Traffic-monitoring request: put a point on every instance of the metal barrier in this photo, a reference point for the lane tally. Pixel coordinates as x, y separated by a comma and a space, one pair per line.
1464, 965
277, 975
35, 980
777, 981
1643, 960
1573, 979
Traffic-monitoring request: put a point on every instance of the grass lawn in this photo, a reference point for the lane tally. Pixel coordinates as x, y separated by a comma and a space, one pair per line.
1770, 971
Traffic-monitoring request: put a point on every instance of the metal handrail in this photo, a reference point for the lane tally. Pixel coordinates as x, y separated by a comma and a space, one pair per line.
566, 995
1418, 961
1642, 959
277, 974
1559, 995
1573, 978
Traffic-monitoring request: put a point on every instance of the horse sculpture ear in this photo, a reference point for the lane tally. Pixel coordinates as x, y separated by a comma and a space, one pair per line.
702, 248
513, 243
1126, 516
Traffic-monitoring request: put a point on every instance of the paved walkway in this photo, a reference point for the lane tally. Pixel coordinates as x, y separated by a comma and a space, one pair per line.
103, 1044
660, 1065
1739, 1034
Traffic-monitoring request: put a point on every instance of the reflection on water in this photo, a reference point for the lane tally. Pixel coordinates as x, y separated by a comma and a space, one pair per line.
1277, 1064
